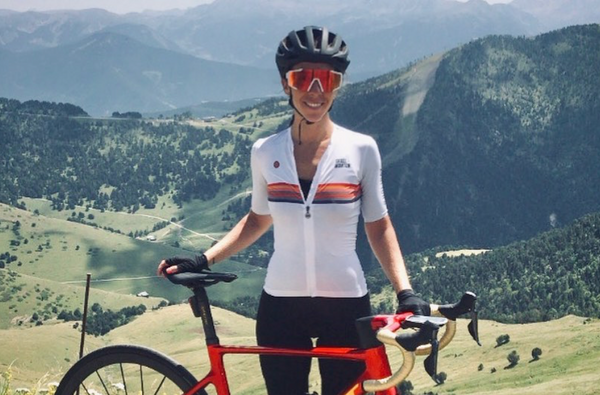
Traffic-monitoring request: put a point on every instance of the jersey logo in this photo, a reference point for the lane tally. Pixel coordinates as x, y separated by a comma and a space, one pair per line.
342, 163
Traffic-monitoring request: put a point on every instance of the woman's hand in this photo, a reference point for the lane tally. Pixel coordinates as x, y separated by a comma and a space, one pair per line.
174, 265
408, 301
164, 268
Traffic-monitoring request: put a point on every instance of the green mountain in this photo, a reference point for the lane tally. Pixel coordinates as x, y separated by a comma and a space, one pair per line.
61, 253
489, 143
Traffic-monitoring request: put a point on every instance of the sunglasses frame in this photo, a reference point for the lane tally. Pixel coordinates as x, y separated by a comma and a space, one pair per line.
318, 80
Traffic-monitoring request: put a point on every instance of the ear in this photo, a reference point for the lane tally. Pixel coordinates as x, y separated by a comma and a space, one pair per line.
286, 87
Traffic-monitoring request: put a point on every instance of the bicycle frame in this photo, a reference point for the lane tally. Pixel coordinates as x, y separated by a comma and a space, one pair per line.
375, 359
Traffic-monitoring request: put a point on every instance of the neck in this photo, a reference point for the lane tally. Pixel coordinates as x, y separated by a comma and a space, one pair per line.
311, 133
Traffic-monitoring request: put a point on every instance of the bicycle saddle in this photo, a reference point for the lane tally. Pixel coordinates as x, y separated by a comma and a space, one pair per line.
203, 279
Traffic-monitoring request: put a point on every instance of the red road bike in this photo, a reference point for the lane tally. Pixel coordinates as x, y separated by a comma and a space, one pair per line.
131, 369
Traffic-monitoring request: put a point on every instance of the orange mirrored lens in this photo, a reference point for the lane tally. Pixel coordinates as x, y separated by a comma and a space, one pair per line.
303, 79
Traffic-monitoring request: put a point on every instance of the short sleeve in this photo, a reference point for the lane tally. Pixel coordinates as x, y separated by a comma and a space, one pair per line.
373, 200
260, 203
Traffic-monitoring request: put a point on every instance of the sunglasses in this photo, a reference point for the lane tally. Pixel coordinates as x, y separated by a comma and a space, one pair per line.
303, 79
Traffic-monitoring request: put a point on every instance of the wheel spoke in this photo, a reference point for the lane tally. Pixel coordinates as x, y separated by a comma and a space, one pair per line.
123, 379
160, 385
102, 382
142, 379
86, 390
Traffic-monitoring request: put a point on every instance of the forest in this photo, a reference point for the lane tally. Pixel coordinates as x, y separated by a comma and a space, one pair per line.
491, 156
115, 165
549, 276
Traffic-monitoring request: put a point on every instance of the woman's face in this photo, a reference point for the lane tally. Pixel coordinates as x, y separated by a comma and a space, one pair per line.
313, 105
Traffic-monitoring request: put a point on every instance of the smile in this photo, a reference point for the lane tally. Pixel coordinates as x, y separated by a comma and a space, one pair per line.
313, 105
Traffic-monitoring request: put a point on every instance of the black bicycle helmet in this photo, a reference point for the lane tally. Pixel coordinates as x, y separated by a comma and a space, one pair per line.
312, 44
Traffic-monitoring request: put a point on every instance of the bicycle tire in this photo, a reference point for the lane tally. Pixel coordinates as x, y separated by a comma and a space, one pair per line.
94, 374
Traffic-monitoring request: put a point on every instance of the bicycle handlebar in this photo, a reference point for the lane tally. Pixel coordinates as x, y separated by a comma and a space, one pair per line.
452, 312
422, 342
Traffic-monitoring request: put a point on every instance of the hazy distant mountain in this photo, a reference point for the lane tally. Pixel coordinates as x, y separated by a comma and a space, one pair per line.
554, 14
25, 31
109, 72
144, 35
384, 35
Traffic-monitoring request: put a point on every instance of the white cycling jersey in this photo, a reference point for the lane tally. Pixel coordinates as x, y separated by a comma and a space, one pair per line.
315, 238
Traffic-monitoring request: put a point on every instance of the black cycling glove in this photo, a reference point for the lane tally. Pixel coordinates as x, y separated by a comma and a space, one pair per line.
408, 301
197, 264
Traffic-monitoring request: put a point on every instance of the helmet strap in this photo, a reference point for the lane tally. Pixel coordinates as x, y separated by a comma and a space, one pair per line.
302, 120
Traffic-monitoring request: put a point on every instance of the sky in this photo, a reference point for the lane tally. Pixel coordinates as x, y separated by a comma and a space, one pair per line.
116, 6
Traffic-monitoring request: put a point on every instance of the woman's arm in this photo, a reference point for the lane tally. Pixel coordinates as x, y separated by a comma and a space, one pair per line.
384, 243
244, 233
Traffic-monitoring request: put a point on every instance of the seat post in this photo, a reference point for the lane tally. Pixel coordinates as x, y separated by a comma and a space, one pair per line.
201, 308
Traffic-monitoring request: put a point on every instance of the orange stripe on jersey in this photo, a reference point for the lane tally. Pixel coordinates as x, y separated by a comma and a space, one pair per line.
284, 192
337, 193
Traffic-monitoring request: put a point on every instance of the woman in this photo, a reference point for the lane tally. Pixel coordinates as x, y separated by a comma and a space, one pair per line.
311, 181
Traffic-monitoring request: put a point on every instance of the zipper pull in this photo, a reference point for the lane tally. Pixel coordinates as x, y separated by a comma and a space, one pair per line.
307, 214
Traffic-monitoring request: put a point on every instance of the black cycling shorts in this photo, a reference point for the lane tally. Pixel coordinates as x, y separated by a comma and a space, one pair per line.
294, 322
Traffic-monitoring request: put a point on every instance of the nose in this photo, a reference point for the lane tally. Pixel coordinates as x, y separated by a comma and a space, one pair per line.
315, 86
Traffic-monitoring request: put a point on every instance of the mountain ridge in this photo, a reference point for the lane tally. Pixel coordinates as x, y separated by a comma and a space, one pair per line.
143, 78
383, 36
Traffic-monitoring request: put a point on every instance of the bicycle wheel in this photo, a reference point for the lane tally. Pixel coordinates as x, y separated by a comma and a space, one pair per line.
127, 370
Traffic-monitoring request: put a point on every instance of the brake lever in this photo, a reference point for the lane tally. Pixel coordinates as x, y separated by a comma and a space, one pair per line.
427, 334
431, 361
467, 304
473, 327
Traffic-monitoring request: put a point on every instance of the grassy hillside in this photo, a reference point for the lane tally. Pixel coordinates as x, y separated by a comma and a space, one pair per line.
65, 252
568, 364
22, 296
51, 258
571, 353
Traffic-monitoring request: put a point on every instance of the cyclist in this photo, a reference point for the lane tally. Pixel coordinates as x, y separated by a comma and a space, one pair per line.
311, 181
